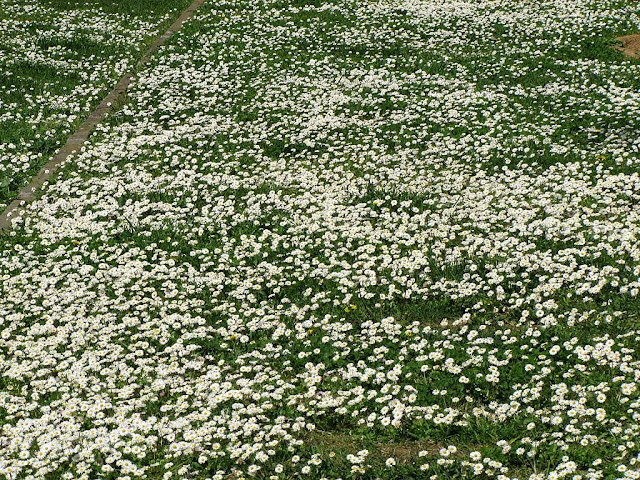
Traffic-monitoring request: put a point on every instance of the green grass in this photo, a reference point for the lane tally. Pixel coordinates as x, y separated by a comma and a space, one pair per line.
274, 215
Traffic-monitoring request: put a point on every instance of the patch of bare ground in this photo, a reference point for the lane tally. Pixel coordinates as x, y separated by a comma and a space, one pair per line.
406, 452
403, 451
630, 45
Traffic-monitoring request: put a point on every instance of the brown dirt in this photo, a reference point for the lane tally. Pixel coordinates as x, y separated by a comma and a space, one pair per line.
404, 451
81, 135
630, 45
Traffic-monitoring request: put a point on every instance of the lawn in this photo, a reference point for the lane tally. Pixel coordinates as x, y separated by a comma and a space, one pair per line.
338, 239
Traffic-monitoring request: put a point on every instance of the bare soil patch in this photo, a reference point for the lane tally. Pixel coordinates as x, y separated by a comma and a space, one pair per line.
403, 451
630, 45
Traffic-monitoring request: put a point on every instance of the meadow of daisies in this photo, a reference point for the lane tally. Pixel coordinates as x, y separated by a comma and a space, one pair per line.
323, 239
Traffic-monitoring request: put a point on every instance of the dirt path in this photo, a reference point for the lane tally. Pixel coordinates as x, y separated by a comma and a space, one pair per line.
81, 135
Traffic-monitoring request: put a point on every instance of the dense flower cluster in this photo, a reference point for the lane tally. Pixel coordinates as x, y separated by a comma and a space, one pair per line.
341, 239
56, 63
